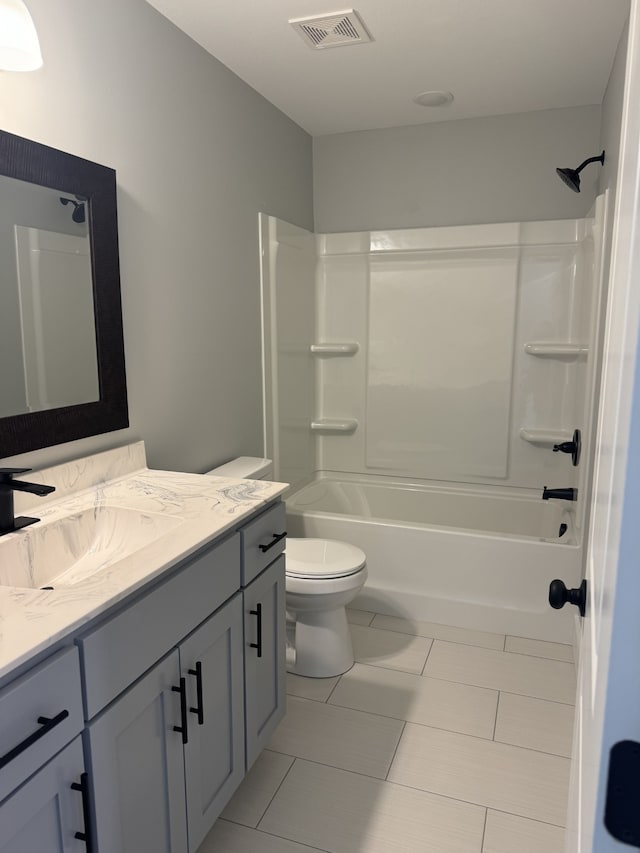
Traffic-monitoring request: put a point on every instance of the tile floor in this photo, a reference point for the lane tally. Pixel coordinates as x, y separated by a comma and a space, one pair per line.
439, 740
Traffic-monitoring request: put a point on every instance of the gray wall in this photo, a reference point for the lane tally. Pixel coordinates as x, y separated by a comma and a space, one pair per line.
497, 169
198, 154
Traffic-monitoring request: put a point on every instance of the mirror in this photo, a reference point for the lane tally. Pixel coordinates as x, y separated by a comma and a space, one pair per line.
61, 341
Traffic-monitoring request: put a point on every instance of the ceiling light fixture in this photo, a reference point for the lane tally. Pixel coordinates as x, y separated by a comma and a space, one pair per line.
436, 98
19, 45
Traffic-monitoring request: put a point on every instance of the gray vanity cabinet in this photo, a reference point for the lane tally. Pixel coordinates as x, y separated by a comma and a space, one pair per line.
265, 675
137, 767
45, 814
211, 663
180, 725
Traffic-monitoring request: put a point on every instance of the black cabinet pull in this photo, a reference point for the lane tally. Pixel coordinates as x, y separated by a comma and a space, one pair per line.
258, 612
182, 690
276, 538
83, 787
200, 709
47, 724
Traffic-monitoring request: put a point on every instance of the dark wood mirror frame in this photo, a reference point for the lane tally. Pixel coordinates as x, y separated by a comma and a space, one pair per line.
38, 164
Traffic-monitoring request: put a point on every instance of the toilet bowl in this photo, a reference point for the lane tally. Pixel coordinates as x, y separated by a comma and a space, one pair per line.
322, 577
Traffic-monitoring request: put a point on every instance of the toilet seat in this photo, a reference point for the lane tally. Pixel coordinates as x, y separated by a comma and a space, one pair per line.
322, 558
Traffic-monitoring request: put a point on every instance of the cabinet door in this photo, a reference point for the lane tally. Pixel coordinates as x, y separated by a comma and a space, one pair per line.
45, 814
211, 661
137, 767
264, 652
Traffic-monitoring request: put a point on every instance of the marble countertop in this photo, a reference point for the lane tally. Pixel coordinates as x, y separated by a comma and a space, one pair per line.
201, 507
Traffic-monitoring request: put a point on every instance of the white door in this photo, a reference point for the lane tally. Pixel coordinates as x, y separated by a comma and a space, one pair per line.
608, 706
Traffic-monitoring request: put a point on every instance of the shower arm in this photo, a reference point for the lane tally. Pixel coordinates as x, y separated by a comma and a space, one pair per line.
599, 159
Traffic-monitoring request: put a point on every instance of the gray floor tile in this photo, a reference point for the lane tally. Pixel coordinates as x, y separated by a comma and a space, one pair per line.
506, 833
513, 673
505, 778
439, 632
389, 649
228, 837
249, 802
429, 701
341, 737
535, 724
310, 688
348, 813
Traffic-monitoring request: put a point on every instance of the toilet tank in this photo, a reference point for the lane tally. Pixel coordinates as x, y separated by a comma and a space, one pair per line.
245, 468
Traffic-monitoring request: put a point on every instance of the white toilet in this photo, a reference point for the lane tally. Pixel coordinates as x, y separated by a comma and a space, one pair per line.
322, 577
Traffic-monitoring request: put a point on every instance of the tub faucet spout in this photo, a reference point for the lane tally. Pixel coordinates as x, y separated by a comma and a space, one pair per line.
560, 494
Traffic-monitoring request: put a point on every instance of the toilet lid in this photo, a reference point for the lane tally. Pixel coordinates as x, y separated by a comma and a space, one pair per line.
318, 558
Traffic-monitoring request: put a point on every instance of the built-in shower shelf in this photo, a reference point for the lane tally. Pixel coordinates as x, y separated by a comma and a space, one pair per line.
545, 437
342, 426
347, 348
552, 349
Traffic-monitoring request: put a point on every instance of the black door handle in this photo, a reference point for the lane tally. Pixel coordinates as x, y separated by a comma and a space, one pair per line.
559, 595
274, 541
182, 690
83, 787
47, 724
200, 709
258, 613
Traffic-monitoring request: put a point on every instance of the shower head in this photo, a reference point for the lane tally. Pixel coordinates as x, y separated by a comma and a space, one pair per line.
571, 177
78, 214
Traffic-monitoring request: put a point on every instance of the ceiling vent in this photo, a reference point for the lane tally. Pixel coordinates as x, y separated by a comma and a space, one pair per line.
336, 30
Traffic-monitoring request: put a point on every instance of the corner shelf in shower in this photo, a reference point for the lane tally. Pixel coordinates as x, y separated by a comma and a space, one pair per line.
347, 348
341, 426
545, 437
552, 349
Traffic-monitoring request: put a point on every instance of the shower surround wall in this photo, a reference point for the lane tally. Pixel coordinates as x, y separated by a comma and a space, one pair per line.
446, 358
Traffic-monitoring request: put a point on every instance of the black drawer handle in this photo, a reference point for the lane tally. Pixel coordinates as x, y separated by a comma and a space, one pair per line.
276, 538
200, 709
83, 787
182, 690
258, 613
47, 724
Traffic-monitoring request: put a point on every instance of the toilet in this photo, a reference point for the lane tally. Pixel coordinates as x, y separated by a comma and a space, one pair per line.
322, 577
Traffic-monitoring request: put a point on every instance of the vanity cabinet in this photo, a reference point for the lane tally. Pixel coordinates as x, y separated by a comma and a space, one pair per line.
46, 814
180, 726
175, 692
264, 654
167, 753
40, 713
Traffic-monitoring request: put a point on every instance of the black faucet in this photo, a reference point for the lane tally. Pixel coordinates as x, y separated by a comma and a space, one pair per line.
560, 494
8, 523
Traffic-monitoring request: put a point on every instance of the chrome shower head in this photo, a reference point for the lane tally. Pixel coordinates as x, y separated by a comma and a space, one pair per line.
571, 177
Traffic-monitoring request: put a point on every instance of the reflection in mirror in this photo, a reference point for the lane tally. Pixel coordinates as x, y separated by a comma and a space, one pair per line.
61, 342
46, 300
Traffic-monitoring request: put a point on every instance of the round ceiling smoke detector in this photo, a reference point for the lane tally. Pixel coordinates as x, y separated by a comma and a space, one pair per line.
433, 99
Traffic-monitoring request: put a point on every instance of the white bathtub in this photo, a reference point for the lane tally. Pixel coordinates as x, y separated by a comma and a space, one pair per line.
473, 557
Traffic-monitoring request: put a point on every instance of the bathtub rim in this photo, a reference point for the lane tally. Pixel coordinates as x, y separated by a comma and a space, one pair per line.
569, 540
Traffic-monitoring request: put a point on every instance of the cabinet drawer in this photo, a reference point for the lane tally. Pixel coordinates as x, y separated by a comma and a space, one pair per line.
260, 534
118, 652
51, 691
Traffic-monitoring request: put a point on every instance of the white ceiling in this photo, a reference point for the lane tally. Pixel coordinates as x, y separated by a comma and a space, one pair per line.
496, 56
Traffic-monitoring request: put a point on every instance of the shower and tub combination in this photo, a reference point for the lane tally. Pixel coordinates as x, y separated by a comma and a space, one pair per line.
417, 383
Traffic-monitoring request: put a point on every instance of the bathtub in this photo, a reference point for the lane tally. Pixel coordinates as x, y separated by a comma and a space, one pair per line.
477, 558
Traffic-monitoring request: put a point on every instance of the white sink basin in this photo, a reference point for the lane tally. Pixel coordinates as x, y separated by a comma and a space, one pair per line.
71, 549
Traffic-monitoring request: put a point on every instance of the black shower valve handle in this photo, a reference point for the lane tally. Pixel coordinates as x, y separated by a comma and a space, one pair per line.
574, 447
